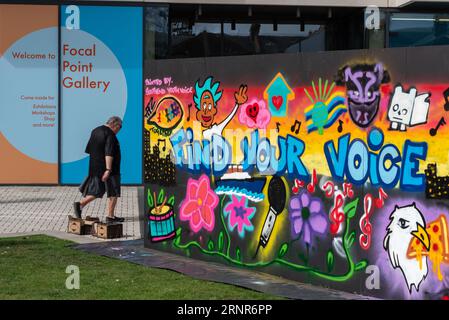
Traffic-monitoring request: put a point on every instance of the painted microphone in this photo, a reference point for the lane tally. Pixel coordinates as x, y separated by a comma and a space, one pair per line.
276, 198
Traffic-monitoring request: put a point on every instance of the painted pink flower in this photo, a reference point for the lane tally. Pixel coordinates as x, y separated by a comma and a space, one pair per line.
240, 215
199, 204
255, 114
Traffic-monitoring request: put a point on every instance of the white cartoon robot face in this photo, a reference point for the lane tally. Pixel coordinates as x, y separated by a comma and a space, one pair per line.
408, 108
401, 106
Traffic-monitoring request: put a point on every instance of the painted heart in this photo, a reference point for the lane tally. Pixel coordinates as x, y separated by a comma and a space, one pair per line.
277, 101
252, 111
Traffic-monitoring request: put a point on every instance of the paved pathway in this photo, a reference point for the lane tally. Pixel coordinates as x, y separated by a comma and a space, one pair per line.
31, 210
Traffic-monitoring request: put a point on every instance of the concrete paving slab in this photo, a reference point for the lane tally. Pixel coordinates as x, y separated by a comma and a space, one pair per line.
43, 210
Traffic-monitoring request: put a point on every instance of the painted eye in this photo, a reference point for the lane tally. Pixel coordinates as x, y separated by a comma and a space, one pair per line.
356, 93
368, 94
395, 107
210, 106
403, 223
404, 111
204, 106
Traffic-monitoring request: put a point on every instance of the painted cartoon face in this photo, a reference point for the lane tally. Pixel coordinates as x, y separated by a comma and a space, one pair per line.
362, 84
207, 111
401, 106
253, 111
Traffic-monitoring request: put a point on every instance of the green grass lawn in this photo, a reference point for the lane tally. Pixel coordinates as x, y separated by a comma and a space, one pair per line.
33, 267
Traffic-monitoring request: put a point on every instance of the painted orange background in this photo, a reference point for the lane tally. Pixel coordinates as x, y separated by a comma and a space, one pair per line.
17, 21
313, 156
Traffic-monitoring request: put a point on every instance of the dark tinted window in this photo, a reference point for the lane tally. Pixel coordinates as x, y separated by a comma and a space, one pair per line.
256, 38
190, 31
194, 40
413, 30
156, 32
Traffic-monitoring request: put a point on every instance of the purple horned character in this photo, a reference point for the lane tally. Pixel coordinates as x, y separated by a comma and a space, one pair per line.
362, 83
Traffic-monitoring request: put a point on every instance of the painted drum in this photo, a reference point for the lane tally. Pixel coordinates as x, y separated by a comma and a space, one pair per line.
161, 224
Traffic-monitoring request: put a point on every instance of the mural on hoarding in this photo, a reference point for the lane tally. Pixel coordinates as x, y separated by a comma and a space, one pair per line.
328, 182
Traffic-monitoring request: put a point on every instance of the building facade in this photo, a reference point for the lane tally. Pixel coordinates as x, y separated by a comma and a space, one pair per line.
45, 144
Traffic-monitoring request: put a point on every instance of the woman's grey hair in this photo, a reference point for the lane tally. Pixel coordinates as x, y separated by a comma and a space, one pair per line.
114, 121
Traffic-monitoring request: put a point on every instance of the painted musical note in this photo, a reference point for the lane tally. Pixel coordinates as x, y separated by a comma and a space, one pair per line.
365, 224
446, 98
328, 188
297, 185
313, 183
347, 190
340, 126
434, 131
379, 202
188, 116
295, 127
337, 215
277, 126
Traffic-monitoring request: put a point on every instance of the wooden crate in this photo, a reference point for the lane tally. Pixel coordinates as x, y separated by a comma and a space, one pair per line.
81, 226
108, 230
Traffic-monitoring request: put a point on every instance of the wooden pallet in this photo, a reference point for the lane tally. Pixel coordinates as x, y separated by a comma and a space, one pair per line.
108, 230
81, 226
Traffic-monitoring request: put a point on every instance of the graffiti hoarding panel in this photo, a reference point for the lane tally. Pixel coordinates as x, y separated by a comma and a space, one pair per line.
330, 168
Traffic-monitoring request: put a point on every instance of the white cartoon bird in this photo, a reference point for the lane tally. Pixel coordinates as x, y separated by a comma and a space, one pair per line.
407, 223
